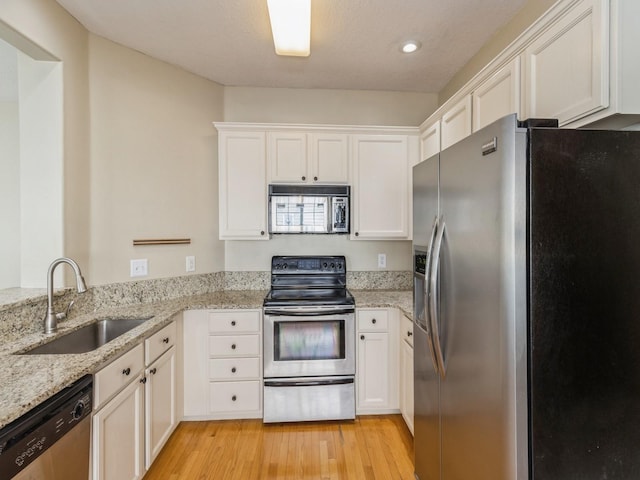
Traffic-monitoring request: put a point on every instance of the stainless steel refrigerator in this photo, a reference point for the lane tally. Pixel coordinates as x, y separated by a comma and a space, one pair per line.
527, 306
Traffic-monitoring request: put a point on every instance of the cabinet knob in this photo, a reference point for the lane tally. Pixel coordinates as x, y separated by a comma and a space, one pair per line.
315, 179
233, 398
233, 346
304, 178
373, 320
165, 340
233, 369
143, 380
233, 323
361, 337
126, 372
357, 234
261, 232
153, 371
409, 334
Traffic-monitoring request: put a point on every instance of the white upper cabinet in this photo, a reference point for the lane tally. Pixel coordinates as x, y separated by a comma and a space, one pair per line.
287, 157
380, 186
567, 66
242, 184
430, 140
498, 96
456, 122
329, 158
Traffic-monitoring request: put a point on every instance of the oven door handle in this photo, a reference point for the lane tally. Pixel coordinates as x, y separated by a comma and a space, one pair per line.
307, 313
308, 383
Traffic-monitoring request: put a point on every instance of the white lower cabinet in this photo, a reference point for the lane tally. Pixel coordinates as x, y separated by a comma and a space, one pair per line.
377, 362
406, 371
135, 408
160, 404
118, 427
222, 364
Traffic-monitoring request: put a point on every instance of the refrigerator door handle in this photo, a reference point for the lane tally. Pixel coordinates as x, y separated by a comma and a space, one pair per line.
427, 292
433, 301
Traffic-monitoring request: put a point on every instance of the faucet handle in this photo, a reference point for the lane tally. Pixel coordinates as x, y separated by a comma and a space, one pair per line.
65, 314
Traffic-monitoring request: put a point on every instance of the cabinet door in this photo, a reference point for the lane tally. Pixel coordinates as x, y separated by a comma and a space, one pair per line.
160, 404
430, 141
498, 96
456, 123
567, 67
287, 157
243, 186
380, 196
118, 436
373, 370
406, 388
329, 158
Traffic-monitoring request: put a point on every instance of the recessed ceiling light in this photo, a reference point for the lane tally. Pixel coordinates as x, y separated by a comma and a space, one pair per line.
410, 46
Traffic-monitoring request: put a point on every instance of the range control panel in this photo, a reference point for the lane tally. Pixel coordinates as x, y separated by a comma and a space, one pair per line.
308, 264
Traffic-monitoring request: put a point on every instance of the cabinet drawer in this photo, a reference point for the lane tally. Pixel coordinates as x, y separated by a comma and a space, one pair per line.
406, 330
234, 345
159, 342
373, 320
235, 396
234, 368
234, 322
117, 374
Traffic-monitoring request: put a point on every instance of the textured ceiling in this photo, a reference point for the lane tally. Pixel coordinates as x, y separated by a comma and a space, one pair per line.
355, 44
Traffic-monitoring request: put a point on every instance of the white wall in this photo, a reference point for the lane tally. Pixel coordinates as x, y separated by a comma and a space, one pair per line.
341, 107
153, 164
41, 168
9, 194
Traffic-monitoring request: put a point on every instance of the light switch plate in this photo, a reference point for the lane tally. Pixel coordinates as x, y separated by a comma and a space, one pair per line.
139, 267
191, 263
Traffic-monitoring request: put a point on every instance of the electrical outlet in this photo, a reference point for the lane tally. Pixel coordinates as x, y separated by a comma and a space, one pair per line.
191, 263
139, 267
382, 260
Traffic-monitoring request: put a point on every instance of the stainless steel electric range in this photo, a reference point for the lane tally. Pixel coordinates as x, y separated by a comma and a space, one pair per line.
309, 341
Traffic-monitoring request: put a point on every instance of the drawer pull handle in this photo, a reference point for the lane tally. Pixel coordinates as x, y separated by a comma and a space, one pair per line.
126, 371
233, 323
165, 340
153, 371
361, 337
315, 179
143, 380
373, 320
233, 398
233, 346
304, 178
233, 369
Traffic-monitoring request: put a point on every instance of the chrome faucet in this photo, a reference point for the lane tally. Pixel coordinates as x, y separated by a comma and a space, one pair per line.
51, 318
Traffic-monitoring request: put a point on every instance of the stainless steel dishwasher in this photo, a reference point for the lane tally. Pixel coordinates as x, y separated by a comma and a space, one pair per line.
51, 441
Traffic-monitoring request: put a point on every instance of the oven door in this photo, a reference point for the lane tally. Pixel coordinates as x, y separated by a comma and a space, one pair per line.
312, 343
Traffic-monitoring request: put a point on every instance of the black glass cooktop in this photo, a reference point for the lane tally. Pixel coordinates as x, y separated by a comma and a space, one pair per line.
309, 296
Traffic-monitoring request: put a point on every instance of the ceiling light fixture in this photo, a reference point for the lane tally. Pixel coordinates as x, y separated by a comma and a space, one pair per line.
291, 26
410, 46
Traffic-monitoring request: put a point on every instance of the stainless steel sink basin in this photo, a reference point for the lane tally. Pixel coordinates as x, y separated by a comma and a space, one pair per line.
89, 337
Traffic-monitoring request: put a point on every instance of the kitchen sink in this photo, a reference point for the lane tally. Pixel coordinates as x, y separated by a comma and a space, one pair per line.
89, 337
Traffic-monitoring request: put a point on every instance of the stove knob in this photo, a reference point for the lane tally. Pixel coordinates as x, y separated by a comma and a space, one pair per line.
284, 266
324, 265
276, 266
333, 266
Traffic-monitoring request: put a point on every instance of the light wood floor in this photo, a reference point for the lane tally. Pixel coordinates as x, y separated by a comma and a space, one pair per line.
371, 447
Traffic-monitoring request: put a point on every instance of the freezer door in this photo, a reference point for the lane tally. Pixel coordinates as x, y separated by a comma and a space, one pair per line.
482, 217
426, 380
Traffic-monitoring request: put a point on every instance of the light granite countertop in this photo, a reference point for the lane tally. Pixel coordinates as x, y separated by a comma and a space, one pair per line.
27, 380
